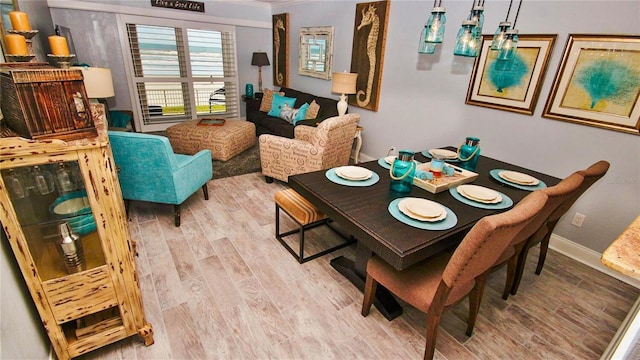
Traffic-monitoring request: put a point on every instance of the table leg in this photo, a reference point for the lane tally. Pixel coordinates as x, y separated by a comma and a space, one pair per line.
355, 272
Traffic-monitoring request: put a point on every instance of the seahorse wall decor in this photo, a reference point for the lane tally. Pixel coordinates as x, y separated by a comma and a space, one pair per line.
279, 25
369, 17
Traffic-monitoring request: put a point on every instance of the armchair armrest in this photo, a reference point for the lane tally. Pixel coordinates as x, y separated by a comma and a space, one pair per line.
304, 132
281, 157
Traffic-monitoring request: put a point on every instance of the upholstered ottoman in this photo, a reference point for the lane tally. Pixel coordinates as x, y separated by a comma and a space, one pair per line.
225, 141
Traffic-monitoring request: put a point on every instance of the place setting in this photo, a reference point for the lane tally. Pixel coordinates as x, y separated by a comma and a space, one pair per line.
481, 197
386, 161
517, 179
352, 176
422, 213
444, 154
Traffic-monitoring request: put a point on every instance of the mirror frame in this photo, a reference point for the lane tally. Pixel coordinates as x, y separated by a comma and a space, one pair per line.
5, 25
304, 56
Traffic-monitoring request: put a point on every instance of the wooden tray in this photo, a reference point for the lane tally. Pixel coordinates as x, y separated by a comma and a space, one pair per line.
460, 176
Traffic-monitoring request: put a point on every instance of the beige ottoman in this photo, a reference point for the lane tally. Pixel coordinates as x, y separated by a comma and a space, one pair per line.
225, 141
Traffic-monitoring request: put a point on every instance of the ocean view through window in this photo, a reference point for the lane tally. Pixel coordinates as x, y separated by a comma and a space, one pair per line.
181, 72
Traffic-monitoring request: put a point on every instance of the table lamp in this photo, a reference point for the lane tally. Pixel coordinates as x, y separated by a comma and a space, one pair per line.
260, 59
343, 83
98, 84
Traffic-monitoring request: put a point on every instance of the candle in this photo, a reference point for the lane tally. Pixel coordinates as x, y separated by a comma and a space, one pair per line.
58, 45
16, 44
19, 20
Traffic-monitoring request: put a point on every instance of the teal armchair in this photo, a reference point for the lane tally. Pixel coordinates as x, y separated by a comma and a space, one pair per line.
149, 170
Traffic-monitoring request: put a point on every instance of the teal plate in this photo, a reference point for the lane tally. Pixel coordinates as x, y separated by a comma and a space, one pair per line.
331, 175
504, 204
447, 223
494, 174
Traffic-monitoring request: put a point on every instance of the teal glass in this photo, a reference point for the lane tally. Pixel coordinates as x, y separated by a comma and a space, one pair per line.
248, 90
500, 35
402, 172
433, 32
469, 153
510, 45
477, 14
466, 41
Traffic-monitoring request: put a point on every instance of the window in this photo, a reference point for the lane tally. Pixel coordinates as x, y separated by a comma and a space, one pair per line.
181, 70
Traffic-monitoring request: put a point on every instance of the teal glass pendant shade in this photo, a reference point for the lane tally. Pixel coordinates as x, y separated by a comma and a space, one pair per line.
477, 14
467, 41
426, 47
509, 46
433, 32
500, 35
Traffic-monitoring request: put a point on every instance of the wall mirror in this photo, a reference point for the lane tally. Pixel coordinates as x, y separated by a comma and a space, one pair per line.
6, 6
316, 52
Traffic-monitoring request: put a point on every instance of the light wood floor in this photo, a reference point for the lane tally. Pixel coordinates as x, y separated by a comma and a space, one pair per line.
221, 287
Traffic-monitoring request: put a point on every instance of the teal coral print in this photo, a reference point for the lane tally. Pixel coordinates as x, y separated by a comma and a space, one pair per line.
604, 81
508, 79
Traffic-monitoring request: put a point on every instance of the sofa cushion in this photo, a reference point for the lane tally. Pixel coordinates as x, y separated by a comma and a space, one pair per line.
278, 102
312, 113
267, 99
328, 107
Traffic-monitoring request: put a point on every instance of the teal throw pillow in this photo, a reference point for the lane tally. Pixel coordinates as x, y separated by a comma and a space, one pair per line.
300, 115
278, 102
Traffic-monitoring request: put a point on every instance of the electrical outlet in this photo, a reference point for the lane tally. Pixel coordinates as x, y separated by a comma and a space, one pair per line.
393, 151
578, 219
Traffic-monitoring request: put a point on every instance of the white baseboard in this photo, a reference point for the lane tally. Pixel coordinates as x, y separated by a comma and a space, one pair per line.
588, 257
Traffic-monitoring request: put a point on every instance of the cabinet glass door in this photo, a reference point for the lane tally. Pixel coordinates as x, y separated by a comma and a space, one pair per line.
51, 203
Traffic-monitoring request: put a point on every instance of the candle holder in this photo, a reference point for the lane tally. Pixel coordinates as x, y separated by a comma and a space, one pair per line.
28, 35
19, 58
64, 61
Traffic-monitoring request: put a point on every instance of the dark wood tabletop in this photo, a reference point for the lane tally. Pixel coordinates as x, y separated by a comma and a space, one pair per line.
363, 212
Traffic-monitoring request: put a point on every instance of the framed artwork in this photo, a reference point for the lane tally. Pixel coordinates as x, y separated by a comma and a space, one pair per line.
367, 53
316, 52
598, 83
511, 85
281, 49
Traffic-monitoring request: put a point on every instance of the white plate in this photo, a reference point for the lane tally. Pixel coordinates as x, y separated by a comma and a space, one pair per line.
423, 207
404, 207
443, 154
389, 159
479, 194
353, 173
72, 205
518, 178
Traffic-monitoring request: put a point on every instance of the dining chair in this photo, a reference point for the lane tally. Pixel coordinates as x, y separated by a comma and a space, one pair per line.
556, 196
591, 174
440, 282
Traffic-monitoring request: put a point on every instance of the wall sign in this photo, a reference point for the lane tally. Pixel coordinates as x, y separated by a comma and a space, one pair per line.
179, 4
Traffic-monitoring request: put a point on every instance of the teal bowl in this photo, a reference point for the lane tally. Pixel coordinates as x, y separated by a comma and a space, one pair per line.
70, 205
85, 229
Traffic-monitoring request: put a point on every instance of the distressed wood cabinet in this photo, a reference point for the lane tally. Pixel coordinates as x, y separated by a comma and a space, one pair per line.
84, 284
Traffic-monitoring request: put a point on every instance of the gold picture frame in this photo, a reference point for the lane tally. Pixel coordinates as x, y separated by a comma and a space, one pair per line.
367, 53
598, 83
511, 85
281, 50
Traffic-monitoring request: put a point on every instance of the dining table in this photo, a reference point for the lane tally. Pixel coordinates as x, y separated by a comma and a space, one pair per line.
364, 212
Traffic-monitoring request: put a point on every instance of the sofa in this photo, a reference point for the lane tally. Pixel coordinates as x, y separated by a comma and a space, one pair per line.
266, 124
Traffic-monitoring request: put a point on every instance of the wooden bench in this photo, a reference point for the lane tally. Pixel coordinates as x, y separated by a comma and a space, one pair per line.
306, 216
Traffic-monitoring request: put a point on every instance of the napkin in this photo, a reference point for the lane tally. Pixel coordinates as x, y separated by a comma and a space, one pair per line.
424, 175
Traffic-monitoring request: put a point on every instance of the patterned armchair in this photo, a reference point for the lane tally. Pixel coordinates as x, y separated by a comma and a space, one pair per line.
150, 171
311, 149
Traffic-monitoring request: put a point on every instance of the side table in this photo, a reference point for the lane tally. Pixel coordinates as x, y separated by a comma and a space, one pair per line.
358, 138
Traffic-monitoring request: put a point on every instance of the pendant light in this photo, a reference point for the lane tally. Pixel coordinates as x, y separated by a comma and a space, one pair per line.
499, 35
508, 48
469, 37
433, 32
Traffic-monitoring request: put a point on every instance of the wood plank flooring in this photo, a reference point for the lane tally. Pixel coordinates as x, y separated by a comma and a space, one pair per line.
221, 287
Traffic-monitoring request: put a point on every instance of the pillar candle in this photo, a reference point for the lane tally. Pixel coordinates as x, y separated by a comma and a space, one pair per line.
58, 45
16, 44
19, 20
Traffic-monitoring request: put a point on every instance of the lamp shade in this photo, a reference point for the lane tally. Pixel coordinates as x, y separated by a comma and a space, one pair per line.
260, 59
344, 83
97, 82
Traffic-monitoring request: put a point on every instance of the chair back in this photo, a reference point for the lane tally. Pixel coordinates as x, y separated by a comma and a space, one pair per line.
591, 174
488, 239
335, 137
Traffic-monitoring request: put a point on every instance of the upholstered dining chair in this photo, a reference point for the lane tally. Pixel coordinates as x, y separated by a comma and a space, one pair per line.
591, 174
311, 149
149, 170
556, 196
440, 282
